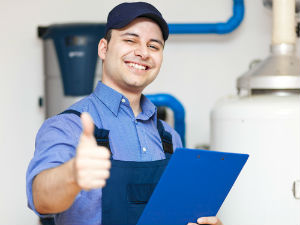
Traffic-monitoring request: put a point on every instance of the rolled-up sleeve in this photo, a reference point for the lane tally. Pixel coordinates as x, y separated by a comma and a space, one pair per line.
55, 144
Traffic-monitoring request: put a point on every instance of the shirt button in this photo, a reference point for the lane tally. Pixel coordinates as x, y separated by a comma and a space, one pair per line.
144, 149
123, 100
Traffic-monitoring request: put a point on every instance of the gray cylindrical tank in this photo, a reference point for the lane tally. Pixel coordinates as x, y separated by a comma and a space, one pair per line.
71, 63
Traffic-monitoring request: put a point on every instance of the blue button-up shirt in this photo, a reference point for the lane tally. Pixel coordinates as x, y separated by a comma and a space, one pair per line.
131, 139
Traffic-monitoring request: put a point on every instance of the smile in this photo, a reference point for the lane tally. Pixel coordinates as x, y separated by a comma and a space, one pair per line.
137, 66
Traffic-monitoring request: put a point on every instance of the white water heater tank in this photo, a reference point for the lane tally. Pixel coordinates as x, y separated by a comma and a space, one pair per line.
267, 127
263, 120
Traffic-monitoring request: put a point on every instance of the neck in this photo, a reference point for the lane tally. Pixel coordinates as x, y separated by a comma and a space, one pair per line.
134, 102
134, 97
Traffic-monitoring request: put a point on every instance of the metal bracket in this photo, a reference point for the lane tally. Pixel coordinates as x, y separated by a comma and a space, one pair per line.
296, 189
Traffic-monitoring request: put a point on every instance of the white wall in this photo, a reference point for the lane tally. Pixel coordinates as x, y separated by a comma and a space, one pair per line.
197, 69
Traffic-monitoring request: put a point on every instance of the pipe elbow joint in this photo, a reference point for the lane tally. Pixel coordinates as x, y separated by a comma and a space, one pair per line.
234, 21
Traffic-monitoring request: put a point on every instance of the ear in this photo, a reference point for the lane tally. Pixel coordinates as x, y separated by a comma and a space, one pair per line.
102, 48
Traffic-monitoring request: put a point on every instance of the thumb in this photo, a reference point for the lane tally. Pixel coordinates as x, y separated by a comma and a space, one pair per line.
87, 125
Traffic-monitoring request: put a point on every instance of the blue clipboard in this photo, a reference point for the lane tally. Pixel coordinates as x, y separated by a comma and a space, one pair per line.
194, 184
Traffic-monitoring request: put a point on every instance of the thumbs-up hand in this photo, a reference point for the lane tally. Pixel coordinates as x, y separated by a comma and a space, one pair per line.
92, 162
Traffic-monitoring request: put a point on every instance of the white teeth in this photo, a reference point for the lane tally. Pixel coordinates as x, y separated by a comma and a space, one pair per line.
140, 67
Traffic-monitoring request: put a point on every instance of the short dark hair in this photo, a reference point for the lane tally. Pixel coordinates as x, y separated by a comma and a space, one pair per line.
107, 36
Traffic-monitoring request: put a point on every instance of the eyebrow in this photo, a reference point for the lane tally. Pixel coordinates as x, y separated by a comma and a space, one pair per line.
136, 35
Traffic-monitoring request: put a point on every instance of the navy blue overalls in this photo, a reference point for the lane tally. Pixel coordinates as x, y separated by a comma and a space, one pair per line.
131, 184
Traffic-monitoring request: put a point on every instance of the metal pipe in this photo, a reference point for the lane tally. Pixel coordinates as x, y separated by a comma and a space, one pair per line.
212, 28
284, 22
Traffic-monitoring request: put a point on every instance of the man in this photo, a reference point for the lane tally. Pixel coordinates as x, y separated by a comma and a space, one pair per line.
72, 163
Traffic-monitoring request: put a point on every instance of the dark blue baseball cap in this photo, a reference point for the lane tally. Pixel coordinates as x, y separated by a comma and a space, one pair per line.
124, 13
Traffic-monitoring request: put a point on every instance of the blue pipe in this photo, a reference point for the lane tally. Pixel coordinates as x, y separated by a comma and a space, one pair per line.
178, 109
212, 28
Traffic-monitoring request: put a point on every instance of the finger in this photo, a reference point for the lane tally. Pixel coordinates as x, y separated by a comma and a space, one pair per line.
102, 175
92, 164
98, 184
98, 174
99, 164
93, 185
103, 152
88, 176
87, 125
94, 152
208, 220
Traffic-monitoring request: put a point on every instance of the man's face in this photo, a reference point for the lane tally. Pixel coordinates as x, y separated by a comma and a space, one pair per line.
133, 57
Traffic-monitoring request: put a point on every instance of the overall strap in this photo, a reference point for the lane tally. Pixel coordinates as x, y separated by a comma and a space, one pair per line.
166, 138
101, 135
102, 139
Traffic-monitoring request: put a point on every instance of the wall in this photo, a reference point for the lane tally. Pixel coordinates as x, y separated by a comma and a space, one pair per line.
197, 69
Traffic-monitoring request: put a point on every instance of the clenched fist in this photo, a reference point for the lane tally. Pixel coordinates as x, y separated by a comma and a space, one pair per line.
92, 162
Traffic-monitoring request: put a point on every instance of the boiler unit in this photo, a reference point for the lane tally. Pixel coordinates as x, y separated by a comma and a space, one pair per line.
263, 120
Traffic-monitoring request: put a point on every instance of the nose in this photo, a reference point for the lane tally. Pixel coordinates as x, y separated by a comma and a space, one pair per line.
142, 52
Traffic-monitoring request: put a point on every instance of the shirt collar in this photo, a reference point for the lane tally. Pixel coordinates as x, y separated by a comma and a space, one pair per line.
148, 109
109, 97
112, 100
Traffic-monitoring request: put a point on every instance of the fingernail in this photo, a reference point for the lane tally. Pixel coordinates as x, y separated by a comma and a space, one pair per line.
200, 220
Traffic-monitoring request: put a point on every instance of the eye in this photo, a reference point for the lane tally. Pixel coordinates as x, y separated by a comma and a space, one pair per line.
153, 47
129, 41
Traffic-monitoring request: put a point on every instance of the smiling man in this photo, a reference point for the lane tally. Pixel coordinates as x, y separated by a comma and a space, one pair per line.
132, 58
98, 162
